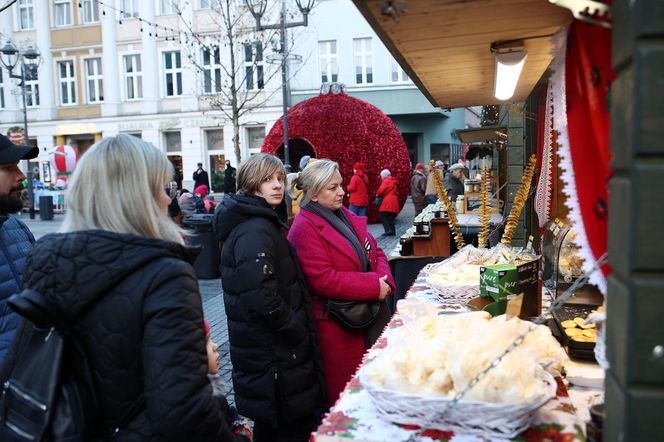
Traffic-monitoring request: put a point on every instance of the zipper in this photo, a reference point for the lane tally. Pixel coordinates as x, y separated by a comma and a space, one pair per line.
25, 396
18, 431
275, 374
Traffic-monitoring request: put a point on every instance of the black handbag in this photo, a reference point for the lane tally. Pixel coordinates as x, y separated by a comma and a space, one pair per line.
352, 315
378, 201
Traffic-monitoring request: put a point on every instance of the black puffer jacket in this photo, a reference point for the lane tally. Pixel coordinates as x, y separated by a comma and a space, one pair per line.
273, 339
142, 326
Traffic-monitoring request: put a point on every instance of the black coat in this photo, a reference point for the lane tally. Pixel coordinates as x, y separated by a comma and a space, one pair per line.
201, 177
453, 186
229, 179
273, 339
141, 326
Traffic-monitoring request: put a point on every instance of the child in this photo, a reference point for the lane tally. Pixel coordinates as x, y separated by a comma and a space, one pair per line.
239, 426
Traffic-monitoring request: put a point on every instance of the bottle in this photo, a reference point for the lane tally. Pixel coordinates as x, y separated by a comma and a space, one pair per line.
460, 206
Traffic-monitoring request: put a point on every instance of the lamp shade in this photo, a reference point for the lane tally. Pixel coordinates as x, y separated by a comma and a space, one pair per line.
31, 56
508, 69
9, 55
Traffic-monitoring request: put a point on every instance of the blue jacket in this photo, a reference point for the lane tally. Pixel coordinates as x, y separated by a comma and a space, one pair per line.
15, 244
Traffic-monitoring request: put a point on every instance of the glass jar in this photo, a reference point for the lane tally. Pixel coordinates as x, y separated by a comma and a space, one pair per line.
460, 204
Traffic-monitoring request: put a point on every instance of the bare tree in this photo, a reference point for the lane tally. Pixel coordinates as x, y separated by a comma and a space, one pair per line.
233, 61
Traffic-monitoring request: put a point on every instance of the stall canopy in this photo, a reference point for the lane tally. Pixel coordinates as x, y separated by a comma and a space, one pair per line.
444, 45
482, 134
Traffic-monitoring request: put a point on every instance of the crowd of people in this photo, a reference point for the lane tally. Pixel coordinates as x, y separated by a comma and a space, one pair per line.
119, 277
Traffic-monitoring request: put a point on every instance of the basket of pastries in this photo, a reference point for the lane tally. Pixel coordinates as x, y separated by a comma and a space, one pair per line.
417, 384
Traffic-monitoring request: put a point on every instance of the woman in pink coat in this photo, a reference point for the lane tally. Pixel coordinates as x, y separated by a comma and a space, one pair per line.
340, 261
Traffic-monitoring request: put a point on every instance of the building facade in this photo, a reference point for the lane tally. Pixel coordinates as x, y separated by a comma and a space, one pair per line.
129, 66
152, 69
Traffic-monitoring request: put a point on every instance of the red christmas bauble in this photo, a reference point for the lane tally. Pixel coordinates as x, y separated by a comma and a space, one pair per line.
346, 130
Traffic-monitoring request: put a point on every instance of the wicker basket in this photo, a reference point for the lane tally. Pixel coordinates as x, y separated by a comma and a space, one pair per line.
451, 292
465, 417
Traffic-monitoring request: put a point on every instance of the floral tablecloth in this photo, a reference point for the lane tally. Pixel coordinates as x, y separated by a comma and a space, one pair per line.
354, 418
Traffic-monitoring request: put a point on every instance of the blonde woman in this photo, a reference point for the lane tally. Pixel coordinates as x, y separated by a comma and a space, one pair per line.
341, 261
120, 277
277, 373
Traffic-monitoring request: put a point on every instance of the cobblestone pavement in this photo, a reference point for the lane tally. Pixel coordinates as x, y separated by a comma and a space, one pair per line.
211, 290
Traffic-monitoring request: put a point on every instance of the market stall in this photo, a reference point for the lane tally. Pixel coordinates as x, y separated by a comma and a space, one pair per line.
485, 364
385, 400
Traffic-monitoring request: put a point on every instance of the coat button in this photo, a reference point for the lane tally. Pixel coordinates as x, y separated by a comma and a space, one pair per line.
294, 357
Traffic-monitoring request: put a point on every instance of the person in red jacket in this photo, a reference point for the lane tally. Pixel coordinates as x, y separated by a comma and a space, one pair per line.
340, 260
389, 206
357, 188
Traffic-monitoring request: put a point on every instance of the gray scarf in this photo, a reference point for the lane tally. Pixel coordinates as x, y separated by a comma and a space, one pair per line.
341, 224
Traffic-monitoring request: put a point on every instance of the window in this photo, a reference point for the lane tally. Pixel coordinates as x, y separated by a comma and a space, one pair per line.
26, 15
133, 74
32, 88
172, 73
398, 74
62, 12
204, 4
2, 90
363, 61
134, 134
93, 80
90, 11
129, 8
327, 53
255, 137
253, 65
67, 83
173, 141
215, 139
215, 147
167, 7
211, 70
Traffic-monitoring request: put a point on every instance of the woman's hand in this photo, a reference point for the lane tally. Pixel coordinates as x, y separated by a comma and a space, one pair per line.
385, 288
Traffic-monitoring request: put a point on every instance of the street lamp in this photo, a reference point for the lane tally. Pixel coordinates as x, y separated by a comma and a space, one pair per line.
29, 59
257, 9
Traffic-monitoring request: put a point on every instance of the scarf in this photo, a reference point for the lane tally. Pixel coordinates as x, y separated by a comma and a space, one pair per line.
341, 224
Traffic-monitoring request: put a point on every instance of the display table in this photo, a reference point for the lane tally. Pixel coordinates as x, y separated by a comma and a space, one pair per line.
354, 418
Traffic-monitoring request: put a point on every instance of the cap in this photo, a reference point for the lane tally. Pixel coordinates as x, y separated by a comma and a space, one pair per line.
385, 173
11, 153
456, 166
304, 161
419, 166
359, 166
439, 164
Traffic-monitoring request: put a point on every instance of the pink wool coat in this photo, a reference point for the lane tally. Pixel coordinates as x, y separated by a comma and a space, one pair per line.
332, 270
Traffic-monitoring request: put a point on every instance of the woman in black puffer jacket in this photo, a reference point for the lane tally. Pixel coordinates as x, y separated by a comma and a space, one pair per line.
277, 371
123, 278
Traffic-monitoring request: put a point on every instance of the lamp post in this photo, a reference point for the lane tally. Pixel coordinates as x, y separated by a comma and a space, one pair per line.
29, 59
257, 9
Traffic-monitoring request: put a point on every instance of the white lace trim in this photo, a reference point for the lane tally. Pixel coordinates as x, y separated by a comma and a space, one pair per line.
566, 164
544, 188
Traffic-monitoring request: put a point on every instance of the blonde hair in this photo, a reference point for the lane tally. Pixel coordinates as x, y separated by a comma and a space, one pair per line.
252, 172
314, 177
117, 186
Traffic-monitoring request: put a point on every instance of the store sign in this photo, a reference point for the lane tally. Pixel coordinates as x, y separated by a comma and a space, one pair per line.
46, 171
74, 129
171, 123
16, 135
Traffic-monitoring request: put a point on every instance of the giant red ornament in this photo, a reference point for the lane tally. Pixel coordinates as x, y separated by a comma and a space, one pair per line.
346, 130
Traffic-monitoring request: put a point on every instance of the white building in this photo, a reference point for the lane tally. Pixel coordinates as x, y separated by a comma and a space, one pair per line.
117, 66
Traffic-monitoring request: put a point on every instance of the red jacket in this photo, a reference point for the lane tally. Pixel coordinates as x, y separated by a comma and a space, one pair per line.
388, 190
359, 195
332, 270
